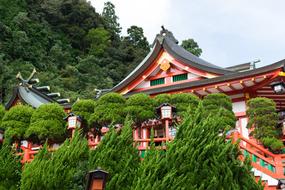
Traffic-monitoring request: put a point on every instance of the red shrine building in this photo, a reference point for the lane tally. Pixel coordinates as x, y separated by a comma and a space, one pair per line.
169, 68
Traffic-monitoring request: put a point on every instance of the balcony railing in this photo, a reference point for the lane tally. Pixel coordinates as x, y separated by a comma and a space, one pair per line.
261, 158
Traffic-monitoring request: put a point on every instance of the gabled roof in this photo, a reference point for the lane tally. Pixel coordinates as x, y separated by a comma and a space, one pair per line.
166, 41
28, 94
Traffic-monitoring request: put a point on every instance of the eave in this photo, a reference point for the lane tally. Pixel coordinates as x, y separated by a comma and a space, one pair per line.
224, 79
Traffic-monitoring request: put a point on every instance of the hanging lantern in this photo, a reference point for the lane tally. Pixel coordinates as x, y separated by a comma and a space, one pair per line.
97, 180
74, 121
278, 87
165, 111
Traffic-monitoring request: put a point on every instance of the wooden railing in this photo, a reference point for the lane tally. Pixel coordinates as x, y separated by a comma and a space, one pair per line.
261, 158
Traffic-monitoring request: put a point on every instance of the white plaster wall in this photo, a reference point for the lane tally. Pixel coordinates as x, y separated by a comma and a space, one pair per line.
239, 107
143, 84
191, 75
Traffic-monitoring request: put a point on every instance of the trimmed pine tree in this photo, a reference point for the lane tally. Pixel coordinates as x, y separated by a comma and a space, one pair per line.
117, 155
10, 169
47, 124
65, 169
16, 121
219, 102
199, 158
183, 102
151, 169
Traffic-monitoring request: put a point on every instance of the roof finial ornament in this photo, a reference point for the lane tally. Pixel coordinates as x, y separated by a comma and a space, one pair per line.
166, 33
29, 81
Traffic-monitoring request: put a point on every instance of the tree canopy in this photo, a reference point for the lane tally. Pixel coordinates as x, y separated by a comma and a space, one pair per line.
263, 117
183, 101
66, 168
198, 158
140, 107
16, 121
220, 103
117, 155
192, 46
47, 123
84, 109
109, 109
10, 169
73, 48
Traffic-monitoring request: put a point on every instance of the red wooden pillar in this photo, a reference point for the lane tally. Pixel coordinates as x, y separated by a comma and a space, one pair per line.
27, 150
279, 166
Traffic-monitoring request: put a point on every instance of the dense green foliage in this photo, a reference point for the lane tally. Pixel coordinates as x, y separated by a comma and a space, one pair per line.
2, 113
108, 109
117, 155
140, 107
263, 117
219, 102
47, 123
162, 98
184, 101
16, 121
192, 46
84, 109
64, 169
199, 158
10, 169
73, 48
151, 170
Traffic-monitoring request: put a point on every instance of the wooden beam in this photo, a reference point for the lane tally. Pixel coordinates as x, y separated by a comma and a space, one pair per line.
242, 84
219, 89
196, 93
207, 91
272, 96
231, 87
266, 82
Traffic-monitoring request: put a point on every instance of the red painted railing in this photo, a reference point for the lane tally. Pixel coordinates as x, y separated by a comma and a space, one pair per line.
261, 158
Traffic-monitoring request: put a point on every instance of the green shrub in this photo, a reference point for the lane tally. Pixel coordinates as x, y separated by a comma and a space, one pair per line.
109, 109
140, 107
162, 98
16, 121
183, 102
222, 104
10, 169
66, 168
272, 143
47, 123
84, 109
117, 155
263, 117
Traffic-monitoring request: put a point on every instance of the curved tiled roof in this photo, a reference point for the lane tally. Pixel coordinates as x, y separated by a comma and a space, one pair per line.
165, 40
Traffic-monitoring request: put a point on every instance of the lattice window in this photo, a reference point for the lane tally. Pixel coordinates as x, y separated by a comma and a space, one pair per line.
157, 82
180, 77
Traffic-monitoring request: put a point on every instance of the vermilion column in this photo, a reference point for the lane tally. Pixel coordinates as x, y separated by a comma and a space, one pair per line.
26, 156
279, 165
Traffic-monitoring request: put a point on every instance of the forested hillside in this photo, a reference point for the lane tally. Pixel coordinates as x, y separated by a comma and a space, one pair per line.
73, 48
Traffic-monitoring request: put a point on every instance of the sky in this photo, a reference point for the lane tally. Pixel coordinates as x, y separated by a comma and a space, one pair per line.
229, 32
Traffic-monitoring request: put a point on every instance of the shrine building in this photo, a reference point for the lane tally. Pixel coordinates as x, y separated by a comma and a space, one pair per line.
168, 68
